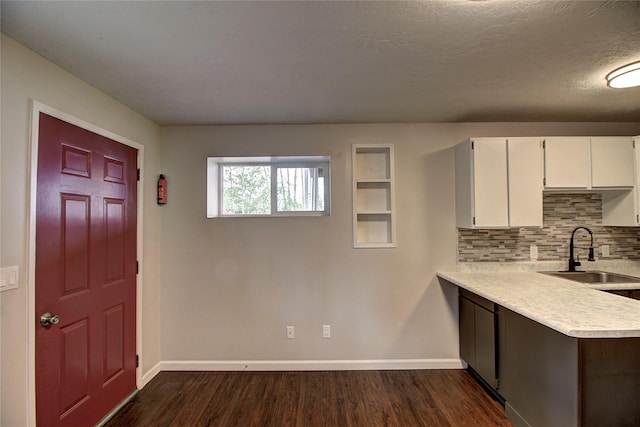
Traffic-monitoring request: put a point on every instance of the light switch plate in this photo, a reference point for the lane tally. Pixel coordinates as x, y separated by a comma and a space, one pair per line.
8, 278
605, 251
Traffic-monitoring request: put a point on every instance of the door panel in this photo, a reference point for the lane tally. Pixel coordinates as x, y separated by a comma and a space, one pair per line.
85, 273
75, 242
74, 370
115, 222
114, 355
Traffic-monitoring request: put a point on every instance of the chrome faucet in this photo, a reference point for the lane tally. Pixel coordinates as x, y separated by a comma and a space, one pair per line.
572, 262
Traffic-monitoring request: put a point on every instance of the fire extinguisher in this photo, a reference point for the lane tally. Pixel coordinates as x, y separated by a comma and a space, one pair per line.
162, 190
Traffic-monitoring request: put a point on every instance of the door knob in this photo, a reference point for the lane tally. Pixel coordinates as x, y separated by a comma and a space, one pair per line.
47, 319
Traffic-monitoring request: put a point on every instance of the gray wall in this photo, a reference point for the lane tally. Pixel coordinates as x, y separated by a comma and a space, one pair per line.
231, 285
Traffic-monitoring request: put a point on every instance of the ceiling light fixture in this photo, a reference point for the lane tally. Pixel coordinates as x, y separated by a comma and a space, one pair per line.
627, 76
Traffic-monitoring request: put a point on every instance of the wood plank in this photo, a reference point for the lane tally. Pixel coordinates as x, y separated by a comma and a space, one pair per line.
308, 399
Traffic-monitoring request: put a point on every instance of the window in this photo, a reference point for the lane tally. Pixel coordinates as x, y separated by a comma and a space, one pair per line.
268, 186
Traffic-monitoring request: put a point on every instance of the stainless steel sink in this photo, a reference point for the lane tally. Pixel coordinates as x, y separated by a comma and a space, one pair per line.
593, 276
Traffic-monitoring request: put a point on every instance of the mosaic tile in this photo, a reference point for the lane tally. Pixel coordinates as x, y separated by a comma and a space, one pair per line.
561, 214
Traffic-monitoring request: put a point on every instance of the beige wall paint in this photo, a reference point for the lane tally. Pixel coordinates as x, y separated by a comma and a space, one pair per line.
231, 285
27, 76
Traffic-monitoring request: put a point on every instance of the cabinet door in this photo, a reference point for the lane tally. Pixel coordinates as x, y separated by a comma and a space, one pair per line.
612, 162
467, 331
477, 330
526, 169
566, 162
491, 198
485, 364
618, 208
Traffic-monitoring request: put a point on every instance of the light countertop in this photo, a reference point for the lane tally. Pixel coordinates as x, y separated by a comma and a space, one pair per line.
574, 309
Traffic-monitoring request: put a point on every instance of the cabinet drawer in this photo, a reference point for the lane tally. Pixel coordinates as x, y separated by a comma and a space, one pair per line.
477, 299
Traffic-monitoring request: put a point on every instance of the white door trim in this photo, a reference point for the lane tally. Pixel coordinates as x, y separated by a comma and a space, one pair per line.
36, 109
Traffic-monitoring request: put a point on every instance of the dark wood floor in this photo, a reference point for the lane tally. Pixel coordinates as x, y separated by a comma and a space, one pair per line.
307, 399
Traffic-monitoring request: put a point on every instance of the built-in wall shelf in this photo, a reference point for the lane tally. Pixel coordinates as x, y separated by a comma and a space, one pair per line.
373, 196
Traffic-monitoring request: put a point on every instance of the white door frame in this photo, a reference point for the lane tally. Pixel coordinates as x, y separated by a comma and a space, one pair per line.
36, 109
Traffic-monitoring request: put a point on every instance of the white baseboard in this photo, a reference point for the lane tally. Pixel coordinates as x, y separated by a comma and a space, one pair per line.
148, 376
299, 365
306, 365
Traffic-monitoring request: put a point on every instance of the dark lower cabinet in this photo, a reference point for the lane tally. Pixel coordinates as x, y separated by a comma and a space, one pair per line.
478, 336
550, 379
547, 378
634, 293
539, 373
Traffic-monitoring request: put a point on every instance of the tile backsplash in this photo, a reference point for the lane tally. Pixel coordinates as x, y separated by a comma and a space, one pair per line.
562, 213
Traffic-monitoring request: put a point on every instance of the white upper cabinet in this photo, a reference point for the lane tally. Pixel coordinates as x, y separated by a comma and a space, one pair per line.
622, 208
491, 205
525, 161
498, 183
584, 163
612, 161
566, 163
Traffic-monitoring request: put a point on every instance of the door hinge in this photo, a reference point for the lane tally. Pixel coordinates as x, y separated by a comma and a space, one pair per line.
634, 143
497, 383
474, 220
138, 175
137, 361
472, 145
137, 267
544, 144
544, 181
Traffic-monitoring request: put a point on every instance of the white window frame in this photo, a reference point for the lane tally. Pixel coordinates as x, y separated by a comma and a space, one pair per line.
215, 182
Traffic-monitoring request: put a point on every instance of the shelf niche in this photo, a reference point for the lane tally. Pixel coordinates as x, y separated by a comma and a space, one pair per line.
373, 196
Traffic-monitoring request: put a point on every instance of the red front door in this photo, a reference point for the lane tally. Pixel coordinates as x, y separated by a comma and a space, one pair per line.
85, 274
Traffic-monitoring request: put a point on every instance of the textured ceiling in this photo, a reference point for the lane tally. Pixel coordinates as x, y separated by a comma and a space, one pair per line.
186, 62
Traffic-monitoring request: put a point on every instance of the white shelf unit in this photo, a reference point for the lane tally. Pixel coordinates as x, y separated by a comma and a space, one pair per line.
373, 196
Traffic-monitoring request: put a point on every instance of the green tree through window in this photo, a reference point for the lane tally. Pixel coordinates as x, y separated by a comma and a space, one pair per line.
268, 186
300, 189
247, 190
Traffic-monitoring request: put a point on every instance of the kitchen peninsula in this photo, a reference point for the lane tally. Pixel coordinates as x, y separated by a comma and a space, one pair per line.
565, 353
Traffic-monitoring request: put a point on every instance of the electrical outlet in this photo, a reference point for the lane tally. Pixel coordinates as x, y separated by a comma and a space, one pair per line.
326, 331
605, 251
533, 252
291, 332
